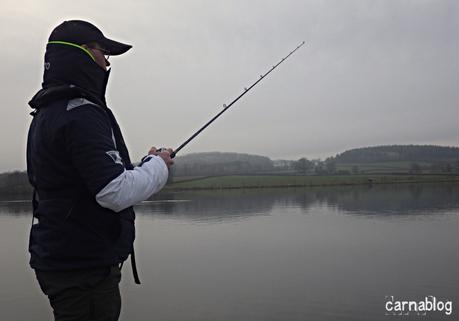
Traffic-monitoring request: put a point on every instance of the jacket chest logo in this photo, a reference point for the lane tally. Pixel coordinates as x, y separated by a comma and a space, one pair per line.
115, 156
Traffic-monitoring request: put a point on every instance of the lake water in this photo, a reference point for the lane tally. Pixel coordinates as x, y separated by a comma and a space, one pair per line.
272, 254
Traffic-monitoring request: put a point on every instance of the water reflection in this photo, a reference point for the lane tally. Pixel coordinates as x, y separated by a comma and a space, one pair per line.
213, 206
380, 200
231, 205
399, 200
15, 208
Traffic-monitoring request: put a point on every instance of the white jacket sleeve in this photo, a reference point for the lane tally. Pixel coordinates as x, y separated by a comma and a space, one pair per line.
134, 186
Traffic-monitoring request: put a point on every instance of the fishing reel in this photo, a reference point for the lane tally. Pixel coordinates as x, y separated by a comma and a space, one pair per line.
163, 149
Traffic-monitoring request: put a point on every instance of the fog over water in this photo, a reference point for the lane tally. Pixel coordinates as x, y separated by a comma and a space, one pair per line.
372, 72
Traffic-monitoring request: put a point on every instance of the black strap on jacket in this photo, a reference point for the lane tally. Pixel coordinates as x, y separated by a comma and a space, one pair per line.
134, 268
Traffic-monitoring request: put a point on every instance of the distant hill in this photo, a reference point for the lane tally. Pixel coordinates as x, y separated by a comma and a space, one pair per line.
398, 153
217, 163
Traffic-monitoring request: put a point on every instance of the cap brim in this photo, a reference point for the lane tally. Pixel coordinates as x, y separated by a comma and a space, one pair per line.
114, 47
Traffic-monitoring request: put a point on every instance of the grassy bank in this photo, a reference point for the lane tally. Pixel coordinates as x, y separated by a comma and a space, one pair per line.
223, 182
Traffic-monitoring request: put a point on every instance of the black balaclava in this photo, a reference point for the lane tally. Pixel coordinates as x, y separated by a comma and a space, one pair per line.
70, 65
71, 72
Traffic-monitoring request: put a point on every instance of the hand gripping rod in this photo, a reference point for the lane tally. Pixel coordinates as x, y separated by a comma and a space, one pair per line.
226, 107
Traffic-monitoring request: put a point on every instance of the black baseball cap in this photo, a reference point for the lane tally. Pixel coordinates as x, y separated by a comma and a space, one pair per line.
80, 32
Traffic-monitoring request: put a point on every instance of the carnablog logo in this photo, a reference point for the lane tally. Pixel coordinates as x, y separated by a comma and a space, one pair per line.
407, 307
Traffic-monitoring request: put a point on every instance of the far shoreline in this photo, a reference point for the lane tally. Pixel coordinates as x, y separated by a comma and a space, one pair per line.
272, 181
21, 194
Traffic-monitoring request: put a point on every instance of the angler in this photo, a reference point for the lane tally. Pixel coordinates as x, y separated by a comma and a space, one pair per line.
84, 182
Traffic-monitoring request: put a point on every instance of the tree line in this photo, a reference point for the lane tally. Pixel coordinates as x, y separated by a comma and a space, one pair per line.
217, 163
13, 184
391, 153
423, 159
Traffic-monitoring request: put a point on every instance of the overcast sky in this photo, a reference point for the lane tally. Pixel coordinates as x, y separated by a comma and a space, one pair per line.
372, 72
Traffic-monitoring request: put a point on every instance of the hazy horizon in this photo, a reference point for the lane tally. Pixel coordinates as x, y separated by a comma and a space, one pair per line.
371, 73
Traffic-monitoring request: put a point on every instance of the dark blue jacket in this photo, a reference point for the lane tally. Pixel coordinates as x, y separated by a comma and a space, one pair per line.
72, 145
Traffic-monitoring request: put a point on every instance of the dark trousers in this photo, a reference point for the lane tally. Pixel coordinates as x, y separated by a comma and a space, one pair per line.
89, 295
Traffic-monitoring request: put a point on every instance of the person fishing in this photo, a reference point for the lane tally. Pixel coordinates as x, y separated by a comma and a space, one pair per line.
84, 182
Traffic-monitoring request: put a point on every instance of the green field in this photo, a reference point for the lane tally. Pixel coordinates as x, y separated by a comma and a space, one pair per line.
221, 182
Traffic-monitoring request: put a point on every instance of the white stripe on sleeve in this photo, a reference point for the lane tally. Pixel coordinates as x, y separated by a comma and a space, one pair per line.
134, 186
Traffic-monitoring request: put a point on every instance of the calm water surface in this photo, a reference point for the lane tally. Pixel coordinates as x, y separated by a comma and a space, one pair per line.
277, 254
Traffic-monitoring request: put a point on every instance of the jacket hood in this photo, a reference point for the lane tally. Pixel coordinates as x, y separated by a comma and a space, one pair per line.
70, 69
45, 96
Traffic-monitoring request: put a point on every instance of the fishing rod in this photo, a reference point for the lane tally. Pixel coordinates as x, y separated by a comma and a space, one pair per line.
226, 107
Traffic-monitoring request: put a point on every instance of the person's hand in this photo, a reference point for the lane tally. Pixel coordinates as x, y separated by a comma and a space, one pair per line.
164, 154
